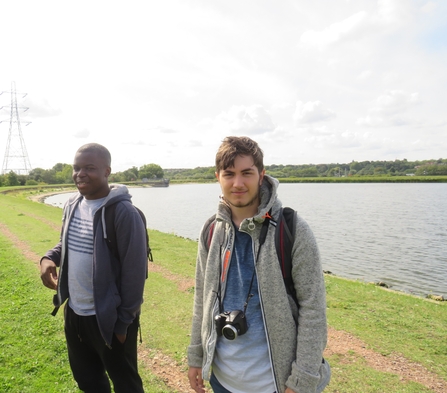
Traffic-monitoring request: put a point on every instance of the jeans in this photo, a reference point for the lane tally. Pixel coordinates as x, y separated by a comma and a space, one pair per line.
216, 386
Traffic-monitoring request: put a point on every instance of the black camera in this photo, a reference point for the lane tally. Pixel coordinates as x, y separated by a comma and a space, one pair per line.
231, 324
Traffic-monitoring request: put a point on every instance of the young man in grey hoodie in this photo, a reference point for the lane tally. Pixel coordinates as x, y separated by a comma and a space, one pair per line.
248, 335
104, 291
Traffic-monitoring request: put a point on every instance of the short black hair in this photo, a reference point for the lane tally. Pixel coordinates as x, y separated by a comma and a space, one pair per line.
98, 149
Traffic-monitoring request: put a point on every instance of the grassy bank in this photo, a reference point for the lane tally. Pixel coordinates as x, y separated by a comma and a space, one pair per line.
366, 179
32, 349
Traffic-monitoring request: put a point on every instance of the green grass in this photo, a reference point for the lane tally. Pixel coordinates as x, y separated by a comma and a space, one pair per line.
32, 346
177, 256
390, 322
366, 179
352, 375
166, 317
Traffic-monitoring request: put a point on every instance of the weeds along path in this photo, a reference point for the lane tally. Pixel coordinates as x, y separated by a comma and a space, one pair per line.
341, 343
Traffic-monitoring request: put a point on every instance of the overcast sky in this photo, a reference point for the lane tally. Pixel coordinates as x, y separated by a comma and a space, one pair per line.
321, 81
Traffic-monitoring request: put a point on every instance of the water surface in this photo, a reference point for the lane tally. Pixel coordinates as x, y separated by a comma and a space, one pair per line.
395, 233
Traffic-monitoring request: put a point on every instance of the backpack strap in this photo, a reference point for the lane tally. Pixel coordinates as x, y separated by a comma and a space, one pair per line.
110, 213
284, 240
149, 250
110, 230
208, 231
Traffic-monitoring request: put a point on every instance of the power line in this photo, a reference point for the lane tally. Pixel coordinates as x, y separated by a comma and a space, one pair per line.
16, 157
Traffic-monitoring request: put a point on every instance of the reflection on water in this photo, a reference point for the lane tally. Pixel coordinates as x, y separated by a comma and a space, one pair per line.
395, 233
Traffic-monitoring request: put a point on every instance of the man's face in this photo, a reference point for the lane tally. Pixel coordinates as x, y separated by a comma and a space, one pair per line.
240, 183
90, 174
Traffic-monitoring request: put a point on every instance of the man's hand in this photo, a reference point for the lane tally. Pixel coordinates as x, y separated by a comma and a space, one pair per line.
195, 379
121, 338
288, 390
48, 273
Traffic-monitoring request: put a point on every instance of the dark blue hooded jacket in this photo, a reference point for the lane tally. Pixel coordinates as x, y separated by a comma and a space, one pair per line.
118, 285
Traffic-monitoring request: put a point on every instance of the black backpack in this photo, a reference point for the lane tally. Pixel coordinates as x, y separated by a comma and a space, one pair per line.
111, 233
284, 238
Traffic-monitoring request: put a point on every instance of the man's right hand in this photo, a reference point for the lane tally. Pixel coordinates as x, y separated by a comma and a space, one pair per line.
48, 273
195, 379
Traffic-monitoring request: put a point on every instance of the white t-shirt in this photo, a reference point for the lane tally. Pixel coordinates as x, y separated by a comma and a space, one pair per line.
80, 257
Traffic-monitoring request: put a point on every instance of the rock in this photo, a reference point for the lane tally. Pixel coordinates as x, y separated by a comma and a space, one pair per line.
438, 298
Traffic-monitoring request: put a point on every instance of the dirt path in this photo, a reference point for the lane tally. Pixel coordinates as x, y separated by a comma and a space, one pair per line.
339, 342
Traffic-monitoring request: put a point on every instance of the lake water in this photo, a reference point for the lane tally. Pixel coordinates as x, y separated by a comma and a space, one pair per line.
395, 233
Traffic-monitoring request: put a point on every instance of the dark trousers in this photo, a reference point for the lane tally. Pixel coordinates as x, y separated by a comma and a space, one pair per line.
91, 360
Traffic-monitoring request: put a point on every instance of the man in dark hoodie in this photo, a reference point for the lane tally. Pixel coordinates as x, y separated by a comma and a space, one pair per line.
104, 292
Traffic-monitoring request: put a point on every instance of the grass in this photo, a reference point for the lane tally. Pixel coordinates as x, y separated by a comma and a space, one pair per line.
390, 322
352, 375
31, 341
366, 179
32, 347
166, 317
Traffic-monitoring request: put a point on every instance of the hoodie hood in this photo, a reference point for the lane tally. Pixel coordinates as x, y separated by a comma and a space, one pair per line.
118, 192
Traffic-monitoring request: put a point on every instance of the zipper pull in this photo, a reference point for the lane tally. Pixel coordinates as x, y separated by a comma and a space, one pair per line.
251, 224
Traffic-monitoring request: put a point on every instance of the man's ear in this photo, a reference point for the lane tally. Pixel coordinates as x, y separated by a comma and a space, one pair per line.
108, 171
261, 177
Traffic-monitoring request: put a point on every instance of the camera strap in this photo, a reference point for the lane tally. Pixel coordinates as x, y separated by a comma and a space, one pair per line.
262, 237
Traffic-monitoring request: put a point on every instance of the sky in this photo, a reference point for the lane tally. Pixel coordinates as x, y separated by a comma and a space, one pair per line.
322, 81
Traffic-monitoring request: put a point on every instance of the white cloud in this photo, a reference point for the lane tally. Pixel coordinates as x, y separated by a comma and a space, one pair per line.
241, 120
311, 112
82, 134
394, 12
389, 109
338, 31
165, 82
40, 108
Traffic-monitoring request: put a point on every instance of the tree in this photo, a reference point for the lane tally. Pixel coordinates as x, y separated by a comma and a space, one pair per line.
59, 167
131, 174
151, 171
65, 174
355, 166
37, 174
12, 179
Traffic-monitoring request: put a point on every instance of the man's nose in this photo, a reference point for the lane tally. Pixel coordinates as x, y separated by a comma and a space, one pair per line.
238, 181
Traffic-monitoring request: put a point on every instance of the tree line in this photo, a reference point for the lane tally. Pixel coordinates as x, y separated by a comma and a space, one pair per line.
62, 173
354, 168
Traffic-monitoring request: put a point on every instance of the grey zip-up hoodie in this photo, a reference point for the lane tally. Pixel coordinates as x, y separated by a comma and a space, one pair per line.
117, 285
296, 352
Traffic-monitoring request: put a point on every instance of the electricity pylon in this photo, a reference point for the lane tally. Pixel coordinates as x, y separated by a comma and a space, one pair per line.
16, 157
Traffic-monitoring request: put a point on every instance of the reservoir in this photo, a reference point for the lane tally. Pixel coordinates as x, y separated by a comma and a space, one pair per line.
394, 233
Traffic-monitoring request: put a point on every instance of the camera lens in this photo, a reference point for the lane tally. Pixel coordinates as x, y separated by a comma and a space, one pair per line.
229, 332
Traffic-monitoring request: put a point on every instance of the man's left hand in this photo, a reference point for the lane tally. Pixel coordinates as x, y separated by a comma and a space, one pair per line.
121, 338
